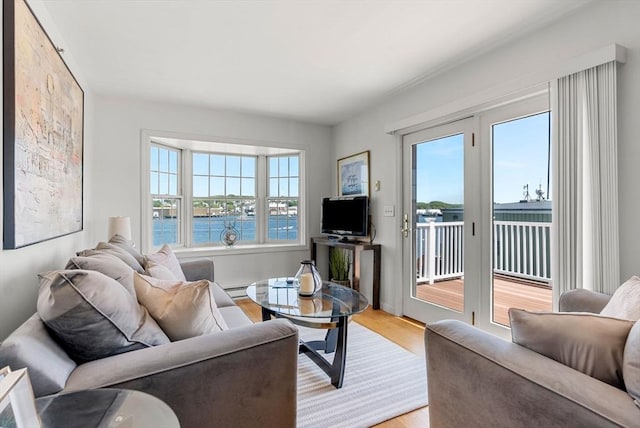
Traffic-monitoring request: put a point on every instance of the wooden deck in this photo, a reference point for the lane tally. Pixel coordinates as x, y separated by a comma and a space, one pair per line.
507, 294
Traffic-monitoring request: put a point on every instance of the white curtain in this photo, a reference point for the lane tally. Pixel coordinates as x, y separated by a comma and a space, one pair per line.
585, 198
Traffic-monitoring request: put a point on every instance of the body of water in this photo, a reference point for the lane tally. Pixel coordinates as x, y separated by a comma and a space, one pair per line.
208, 229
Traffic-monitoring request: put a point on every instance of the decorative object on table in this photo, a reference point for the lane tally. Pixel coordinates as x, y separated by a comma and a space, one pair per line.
353, 175
308, 278
339, 266
119, 226
229, 235
17, 404
43, 134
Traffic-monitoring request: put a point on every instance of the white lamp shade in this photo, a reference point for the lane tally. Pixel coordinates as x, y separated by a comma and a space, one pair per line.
120, 226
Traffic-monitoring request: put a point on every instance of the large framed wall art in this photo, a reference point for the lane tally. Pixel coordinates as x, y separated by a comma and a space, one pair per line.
43, 134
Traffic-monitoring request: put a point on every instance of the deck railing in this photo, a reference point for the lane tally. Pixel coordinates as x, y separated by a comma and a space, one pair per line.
521, 249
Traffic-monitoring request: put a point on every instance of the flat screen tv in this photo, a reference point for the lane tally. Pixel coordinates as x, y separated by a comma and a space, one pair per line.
345, 216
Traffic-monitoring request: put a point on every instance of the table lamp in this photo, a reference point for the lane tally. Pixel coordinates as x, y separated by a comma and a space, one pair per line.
119, 226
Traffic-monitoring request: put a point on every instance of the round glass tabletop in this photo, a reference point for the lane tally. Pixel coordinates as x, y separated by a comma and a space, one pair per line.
280, 295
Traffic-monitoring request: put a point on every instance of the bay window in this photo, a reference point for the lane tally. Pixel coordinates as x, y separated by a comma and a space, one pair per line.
200, 191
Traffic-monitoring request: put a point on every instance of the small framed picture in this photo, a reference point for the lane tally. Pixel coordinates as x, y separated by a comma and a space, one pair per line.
353, 175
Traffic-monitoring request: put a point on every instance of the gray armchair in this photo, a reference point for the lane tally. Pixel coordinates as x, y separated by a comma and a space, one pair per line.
244, 376
476, 379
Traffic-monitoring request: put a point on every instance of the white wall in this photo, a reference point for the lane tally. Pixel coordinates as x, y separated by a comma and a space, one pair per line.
19, 268
117, 164
598, 25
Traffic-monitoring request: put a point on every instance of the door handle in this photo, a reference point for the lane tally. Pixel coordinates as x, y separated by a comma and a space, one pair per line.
405, 227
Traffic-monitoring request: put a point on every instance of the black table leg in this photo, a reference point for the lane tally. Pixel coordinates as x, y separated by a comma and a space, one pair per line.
335, 370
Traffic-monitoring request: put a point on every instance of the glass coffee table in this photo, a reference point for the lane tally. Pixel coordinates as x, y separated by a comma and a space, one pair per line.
329, 308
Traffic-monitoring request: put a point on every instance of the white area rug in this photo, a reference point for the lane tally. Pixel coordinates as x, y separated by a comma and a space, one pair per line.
381, 381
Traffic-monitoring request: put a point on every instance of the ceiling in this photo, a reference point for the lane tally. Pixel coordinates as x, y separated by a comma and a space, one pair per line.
320, 61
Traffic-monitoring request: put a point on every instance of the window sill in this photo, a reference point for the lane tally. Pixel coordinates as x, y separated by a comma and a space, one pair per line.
237, 250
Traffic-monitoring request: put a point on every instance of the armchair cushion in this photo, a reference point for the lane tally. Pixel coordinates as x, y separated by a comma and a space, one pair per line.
93, 316
182, 309
588, 343
625, 302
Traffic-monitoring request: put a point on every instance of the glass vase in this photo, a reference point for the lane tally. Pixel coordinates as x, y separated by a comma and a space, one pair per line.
308, 278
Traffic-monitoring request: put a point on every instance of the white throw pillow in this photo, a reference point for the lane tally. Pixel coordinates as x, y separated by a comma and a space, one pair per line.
182, 309
166, 258
625, 302
158, 271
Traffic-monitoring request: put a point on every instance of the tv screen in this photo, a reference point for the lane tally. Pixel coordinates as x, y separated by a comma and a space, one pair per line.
345, 216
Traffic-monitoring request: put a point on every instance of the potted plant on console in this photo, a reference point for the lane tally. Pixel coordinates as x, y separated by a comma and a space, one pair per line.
339, 266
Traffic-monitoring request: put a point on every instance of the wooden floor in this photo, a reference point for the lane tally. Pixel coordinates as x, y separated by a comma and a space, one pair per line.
403, 331
507, 294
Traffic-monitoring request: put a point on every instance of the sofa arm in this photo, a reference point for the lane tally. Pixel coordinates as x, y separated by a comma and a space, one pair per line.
195, 270
240, 377
476, 379
581, 300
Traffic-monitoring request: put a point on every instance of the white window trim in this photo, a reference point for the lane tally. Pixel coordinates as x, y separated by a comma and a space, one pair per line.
198, 141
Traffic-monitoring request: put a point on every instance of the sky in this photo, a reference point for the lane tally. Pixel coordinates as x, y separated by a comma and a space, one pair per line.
520, 157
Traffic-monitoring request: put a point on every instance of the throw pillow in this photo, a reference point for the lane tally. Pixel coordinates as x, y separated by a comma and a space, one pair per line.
92, 316
107, 264
182, 309
129, 246
590, 343
631, 363
625, 302
104, 247
158, 271
166, 258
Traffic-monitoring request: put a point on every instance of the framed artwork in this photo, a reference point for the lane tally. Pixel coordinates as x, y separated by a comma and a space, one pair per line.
43, 134
353, 175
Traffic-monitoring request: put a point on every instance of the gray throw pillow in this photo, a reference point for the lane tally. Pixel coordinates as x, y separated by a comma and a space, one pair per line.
107, 264
592, 344
93, 316
112, 249
129, 246
631, 363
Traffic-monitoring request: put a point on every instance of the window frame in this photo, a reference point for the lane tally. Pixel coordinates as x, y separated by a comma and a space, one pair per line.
179, 190
187, 145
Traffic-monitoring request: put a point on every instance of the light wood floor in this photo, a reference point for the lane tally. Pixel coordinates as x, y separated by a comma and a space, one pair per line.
403, 331
507, 294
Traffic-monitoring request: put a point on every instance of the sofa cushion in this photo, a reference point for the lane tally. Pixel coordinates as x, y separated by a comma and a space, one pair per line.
590, 343
93, 316
166, 258
631, 363
129, 246
183, 309
625, 302
107, 264
31, 346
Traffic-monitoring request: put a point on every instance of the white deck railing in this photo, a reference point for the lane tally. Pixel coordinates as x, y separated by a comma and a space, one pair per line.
521, 249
